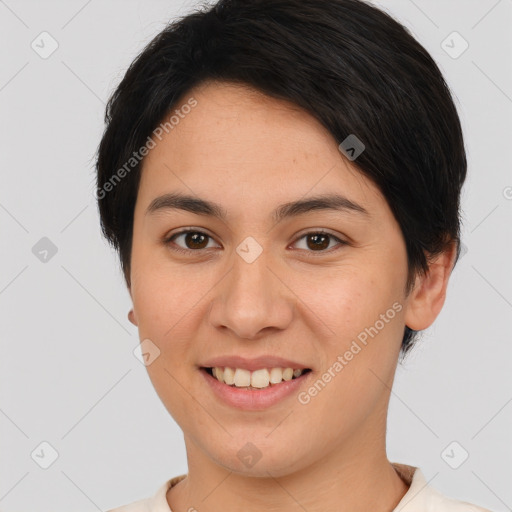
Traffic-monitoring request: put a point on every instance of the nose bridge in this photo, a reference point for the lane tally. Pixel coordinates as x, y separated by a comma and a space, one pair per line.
251, 297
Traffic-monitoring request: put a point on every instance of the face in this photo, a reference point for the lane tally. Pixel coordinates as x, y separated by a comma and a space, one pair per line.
316, 286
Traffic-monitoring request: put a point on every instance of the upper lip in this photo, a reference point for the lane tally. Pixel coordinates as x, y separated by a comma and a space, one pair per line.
252, 364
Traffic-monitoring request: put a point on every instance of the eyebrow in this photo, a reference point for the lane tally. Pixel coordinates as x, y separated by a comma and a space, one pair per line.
178, 201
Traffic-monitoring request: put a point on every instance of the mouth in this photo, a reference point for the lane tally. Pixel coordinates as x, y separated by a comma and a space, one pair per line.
263, 378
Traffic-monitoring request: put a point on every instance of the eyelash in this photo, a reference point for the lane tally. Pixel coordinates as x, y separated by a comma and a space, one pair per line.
167, 241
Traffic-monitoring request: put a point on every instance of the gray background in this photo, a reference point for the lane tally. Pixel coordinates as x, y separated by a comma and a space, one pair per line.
69, 376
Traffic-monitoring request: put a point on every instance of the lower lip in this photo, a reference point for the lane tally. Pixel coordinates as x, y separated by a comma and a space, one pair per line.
254, 399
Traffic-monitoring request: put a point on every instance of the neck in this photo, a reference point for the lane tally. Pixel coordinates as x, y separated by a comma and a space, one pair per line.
354, 476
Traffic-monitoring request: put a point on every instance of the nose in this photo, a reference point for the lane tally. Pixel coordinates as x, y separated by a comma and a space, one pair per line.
252, 299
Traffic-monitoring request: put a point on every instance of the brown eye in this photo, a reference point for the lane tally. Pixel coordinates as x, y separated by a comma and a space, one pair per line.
319, 241
192, 241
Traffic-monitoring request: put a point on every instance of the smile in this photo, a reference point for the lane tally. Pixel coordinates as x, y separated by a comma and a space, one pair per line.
258, 379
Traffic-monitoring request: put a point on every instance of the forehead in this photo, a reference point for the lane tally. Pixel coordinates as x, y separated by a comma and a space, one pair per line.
239, 145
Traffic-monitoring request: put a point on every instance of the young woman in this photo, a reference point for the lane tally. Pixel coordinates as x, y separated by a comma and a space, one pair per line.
281, 179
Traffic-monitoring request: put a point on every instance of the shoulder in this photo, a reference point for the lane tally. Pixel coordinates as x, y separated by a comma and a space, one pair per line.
442, 503
136, 506
422, 497
156, 503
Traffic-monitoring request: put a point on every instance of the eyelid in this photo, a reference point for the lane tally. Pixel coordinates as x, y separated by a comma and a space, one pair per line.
168, 239
320, 231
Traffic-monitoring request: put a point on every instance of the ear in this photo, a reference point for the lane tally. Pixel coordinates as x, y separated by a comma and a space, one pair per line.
132, 317
429, 291
131, 314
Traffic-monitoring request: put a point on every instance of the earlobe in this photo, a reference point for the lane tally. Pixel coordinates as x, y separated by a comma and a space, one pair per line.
131, 317
429, 292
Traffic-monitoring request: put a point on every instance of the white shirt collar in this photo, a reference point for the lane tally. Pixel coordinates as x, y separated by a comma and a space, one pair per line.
420, 497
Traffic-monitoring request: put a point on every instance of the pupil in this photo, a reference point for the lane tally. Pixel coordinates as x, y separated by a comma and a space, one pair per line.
194, 236
315, 239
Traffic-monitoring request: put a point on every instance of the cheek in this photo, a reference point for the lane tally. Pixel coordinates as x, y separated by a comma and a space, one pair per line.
361, 311
164, 312
162, 294
359, 360
170, 302
342, 301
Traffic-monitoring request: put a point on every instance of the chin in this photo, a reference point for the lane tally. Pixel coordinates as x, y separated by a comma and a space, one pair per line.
255, 460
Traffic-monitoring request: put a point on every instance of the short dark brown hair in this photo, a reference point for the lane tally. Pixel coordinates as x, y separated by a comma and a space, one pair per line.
349, 64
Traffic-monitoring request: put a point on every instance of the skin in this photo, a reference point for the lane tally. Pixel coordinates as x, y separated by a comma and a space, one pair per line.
251, 153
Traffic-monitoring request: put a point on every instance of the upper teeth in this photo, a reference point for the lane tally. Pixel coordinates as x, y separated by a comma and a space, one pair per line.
240, 377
